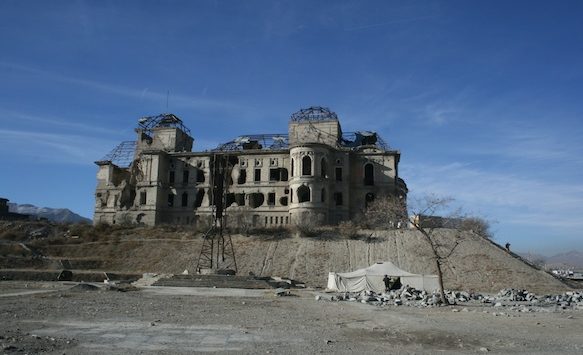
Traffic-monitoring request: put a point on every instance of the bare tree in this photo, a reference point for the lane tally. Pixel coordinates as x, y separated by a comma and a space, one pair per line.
384, 212
426, 217
478, 226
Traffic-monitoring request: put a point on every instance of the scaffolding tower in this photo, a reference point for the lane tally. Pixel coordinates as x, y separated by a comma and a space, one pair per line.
217, 254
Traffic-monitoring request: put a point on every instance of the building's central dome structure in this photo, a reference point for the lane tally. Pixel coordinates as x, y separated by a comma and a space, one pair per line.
313, 113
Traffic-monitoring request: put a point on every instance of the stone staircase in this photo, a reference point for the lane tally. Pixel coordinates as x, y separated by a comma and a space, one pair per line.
218, 281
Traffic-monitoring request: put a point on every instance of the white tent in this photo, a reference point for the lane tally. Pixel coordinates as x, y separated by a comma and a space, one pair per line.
371, 279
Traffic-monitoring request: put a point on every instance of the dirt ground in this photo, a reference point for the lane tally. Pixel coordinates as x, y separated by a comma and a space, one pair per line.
477, 264
62, 319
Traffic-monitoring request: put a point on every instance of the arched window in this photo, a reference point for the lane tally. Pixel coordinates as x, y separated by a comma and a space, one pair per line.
292, 167
324, 168
256, 199
369, 174
306, 165
303, 194
323, 195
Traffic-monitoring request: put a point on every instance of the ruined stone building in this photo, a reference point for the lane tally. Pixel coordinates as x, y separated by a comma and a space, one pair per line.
314, 173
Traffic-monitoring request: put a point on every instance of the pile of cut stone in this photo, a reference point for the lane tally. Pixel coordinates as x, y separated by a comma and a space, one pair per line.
407, 296
513, 299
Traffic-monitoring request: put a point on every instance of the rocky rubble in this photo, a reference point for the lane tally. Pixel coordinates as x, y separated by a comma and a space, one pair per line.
512, 299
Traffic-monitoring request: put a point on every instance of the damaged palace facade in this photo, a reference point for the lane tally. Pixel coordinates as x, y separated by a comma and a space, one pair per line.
314, 173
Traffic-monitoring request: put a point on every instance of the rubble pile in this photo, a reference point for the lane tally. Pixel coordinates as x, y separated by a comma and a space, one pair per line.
513, 299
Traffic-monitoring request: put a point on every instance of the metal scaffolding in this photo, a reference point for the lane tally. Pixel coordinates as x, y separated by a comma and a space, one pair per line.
148, 123
313, 113
122, 155
217, 253
280, 141
256, 141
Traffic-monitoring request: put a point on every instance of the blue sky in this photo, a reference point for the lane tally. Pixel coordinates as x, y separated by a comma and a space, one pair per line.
483, 98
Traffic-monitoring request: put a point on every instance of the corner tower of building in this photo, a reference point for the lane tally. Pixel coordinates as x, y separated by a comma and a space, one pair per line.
314, 136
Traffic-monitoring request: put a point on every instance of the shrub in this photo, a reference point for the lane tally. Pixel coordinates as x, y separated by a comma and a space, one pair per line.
13, 235
348, 229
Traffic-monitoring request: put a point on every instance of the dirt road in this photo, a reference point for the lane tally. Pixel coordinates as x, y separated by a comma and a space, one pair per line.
80, 322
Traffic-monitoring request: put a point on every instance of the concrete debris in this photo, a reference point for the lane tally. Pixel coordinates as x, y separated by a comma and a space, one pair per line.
42, 232
508, 299
282, 292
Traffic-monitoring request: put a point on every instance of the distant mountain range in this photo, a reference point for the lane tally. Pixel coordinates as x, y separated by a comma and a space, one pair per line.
573, 259
61, 215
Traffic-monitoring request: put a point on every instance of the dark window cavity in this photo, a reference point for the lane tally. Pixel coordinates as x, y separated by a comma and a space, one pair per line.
368, 174
306, 165
242, 177
257, 175
324, 168
303, 194
184, 199
338, 174
199, 198
199, 175
338, 198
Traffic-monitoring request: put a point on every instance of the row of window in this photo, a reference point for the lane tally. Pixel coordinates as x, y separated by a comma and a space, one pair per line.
277, 219
280, 174
306, 170
304, 195
185, 176
257, 199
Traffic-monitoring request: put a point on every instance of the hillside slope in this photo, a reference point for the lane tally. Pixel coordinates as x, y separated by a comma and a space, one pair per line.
477, 264
60, 215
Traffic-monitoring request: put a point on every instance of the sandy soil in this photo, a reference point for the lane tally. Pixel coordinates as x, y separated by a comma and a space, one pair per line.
64, 320
477, 264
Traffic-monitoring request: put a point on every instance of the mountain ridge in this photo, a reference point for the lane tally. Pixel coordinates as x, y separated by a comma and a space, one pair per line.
60, 215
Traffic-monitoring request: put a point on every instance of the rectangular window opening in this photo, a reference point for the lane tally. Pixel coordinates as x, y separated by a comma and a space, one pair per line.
338, 198
257, 175
338, 174
274, 175
242, 177
271, 199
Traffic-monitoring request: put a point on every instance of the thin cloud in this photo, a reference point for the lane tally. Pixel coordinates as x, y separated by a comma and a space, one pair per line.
181, 101
53, 147
518, 199
51, 121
